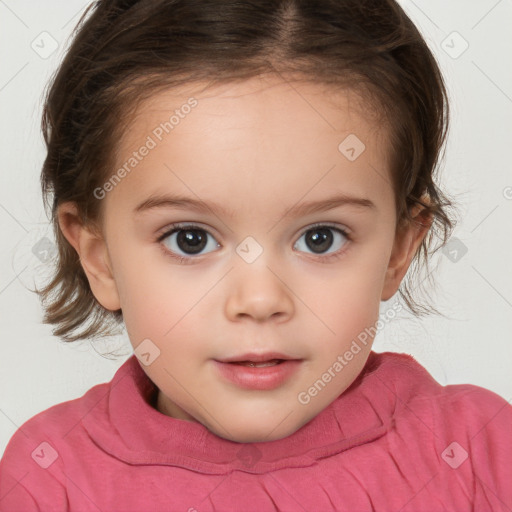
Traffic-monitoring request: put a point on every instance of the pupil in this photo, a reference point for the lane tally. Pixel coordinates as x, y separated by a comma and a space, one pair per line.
321, 239
191, 241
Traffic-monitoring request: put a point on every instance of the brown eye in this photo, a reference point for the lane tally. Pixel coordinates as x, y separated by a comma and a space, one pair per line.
188, 240
191, 241
320, 239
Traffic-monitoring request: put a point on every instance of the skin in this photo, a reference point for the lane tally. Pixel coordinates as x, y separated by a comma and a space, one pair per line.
257, 148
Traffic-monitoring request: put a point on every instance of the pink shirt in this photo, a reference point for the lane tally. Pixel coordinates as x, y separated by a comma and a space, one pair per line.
396, 440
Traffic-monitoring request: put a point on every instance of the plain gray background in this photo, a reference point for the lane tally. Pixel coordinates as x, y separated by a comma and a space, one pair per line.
472, 42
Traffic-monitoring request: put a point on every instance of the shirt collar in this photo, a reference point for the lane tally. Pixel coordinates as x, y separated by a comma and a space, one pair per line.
125, 423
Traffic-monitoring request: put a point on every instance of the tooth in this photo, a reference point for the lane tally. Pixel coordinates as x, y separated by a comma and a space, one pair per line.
252, 364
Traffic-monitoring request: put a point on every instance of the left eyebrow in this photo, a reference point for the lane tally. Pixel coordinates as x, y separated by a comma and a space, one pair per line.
300, 209
330, 203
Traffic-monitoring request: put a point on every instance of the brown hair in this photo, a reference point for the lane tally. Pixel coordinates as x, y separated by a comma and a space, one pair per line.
124, 51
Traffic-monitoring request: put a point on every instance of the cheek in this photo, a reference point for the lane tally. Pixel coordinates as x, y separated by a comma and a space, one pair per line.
149, 296
168, 310
347, 302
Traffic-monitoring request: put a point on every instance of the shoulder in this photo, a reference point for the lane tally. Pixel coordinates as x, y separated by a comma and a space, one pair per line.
32, 465
478, 419
460, 434
57, 421
465, 406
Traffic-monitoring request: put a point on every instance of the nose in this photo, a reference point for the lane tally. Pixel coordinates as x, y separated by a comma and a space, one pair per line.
257, 292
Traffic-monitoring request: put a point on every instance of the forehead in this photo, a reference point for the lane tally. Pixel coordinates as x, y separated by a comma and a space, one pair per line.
210, 141
253, 103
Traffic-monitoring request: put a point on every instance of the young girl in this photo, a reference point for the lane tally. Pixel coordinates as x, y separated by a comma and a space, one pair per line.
241, 184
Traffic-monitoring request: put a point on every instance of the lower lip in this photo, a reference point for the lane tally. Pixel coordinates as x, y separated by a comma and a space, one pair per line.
263, 378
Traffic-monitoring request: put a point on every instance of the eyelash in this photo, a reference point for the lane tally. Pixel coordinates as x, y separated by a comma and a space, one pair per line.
190, 259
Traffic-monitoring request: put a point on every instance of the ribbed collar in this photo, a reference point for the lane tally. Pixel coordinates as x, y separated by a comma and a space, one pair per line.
126, 424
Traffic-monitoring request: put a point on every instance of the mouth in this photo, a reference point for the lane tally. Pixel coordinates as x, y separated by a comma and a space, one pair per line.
258, 371
263, 364
258, 360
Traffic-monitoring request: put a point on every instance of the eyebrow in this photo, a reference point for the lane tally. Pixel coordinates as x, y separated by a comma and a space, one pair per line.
303, 208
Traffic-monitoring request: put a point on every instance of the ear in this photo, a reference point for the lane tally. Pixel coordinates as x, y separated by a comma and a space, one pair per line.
407, 240
94, 257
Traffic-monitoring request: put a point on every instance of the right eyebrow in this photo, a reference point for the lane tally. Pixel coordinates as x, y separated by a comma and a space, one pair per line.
178, 202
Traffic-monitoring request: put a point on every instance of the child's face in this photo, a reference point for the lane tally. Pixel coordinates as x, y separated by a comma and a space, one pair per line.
255, 149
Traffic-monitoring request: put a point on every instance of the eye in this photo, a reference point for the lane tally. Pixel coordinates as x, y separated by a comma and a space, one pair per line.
320, 238
189, 239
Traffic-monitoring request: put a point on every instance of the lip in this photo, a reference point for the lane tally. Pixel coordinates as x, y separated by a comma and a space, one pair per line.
264, 378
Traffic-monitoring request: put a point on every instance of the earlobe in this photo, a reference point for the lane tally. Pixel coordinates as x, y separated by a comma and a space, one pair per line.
94, 258
406, 244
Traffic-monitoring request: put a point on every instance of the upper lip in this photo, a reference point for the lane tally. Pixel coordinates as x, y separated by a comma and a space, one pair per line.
256, 358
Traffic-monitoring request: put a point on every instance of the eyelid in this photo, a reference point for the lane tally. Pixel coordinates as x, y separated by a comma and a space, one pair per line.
168, 230
341, 228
